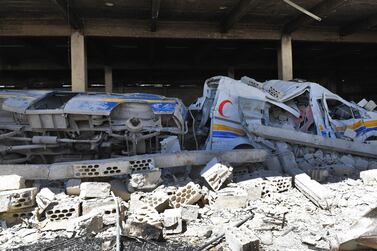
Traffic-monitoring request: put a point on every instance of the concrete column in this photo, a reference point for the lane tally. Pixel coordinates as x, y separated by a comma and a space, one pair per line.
285, 62
79, 76
231, 72
108, 79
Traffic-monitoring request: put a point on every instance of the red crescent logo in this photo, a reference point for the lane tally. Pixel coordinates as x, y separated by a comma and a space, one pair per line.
221, 106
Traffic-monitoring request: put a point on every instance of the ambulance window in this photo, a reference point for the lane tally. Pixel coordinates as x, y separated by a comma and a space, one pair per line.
356, 113
338, 110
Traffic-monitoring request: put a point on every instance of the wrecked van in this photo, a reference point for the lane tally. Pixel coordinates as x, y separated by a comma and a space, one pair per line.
54, 126
297, 105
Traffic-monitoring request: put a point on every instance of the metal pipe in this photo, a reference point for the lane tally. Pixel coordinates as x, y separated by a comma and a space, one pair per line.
297, 7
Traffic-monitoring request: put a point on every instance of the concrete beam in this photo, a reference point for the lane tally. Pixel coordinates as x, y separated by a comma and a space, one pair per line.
359, 25
236, 14
69, 14
285, 61
108, 79
66, 170
79, 76
323, 9
201, 30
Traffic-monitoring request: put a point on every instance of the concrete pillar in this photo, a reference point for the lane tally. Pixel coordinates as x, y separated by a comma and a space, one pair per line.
108, 79
79, 76
231, 72
285, 62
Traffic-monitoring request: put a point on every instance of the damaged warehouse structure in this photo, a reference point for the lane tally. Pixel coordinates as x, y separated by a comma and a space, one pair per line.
258, 140
114, 135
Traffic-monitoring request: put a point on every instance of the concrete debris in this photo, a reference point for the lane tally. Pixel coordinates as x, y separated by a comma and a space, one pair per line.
186, 195
94, 190
72, 187
146, 181
63, 210
120, 189
239, 240
369, 177
11, 182
189, 213
216, 174
17, 199
172, 221
44, 198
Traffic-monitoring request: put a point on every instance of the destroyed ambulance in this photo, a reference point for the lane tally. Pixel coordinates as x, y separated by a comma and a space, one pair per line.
53, 126
294, 105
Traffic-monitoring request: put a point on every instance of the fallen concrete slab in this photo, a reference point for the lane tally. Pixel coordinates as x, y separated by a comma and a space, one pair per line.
129, 165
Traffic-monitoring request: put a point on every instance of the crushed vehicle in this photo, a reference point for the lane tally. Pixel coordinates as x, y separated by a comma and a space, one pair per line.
294, 105
56, 126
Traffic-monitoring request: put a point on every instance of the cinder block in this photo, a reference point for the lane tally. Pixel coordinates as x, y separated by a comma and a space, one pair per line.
362, 102
188, 195
106, 207
17, 199
173, 221
147, 180
72, 187
281, 183
94, 190
158, 201
101, 169
63, 210
11, 182
19, 215
370, 106
237, 240
216, 174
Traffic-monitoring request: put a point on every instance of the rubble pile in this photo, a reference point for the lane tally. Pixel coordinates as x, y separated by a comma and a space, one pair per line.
203, 210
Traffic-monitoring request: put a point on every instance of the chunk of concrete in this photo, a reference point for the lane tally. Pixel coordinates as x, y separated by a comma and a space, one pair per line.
230, 201
63, 210
44, 198
72, 187
216, 174
94, 190
347, 160
361, 164
370, 106
11, 182
238, 240
106, 207
186, 195
159, 201
120, 189
369, 177
189, 212
17, 199
173, 221
146, 181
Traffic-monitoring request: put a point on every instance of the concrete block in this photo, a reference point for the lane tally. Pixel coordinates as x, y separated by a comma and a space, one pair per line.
281, 183
11, 182
19, 215
144, 223
189, 212
347, 160
238, 240
106, 207
369, 177
158, 201
72, 187
44, 198
94, 190
188, 195
173, 221
216, 174
17, 199
230, 201
63, 210
120, 189
146, 181
101, 170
